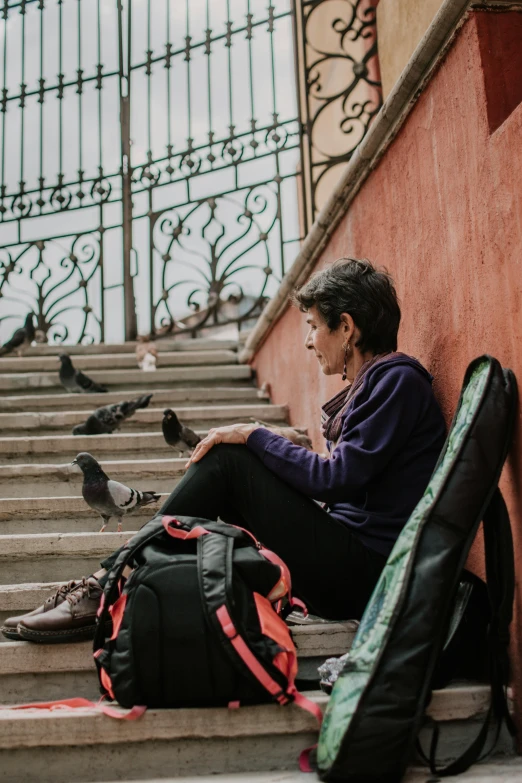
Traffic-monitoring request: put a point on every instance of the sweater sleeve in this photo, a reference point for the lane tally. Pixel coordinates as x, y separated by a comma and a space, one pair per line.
373, 431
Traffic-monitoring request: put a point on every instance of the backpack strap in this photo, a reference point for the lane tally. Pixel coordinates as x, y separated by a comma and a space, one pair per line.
498, 543
215, 553
79, 703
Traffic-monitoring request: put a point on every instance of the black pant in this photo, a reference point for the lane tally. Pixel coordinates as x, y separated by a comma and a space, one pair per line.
331, 570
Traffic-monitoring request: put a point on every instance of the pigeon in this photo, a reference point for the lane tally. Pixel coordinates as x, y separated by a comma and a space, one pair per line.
74, 380
146, 354
21, 338
176, 434
107, 419
109, 498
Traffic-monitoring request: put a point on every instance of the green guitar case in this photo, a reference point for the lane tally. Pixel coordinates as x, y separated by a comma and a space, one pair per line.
378, 702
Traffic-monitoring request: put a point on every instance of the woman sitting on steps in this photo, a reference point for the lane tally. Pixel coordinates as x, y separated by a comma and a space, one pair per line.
333, 520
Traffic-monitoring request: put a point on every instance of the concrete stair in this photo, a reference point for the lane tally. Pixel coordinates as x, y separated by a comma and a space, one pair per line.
502, 771
49, 535
163, 378
201, 416
52, 480
165, 397
29, 671
51, 747
118, 360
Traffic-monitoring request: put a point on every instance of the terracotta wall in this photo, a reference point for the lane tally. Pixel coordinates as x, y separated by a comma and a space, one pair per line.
443, 212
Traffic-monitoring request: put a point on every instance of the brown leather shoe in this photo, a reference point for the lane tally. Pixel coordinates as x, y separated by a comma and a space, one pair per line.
72, 621
9, 628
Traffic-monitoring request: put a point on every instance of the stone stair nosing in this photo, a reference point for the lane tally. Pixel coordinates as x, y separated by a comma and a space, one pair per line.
51, 746
500, 770
65, 521
46, 557
162, 344
321, 640
29, 480
69, 505
315, 640
148, 417
108, 360
44, 672
166, 397
37, 446
170, 466
10, 382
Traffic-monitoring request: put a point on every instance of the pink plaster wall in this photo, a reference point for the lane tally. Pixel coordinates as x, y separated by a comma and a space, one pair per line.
443, 212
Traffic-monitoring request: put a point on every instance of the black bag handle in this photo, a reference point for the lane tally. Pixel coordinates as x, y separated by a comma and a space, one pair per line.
498, 543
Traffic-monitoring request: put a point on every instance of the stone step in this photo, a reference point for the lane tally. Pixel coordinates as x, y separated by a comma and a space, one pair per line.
67, 513
38, 449
165, 397
52, 557
501, 770
113, 361
120, 379
20, 598
48, 480
163, 345
145, 420
52, 746
30, 672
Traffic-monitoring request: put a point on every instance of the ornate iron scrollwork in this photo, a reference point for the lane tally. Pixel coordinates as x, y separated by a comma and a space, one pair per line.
210, 187
53, 282
215, 256
342, 85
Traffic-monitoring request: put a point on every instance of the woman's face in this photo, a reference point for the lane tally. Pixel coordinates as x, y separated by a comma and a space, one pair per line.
329, 347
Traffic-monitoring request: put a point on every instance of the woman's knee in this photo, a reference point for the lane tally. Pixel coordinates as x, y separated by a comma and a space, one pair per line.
225, 453
234, 458
225, 459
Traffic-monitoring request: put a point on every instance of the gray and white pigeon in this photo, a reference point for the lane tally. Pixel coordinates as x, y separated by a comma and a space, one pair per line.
176, 434
21, 338
109, 498
75, 380
109, 418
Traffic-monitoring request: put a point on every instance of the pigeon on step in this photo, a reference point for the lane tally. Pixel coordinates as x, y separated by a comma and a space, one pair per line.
21, 338
176, 434
109, 498
109, 418
75, 380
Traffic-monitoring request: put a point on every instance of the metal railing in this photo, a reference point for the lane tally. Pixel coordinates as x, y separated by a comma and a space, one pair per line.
160, 162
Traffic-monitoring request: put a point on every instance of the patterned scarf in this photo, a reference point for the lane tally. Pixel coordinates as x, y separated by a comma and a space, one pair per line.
333, 410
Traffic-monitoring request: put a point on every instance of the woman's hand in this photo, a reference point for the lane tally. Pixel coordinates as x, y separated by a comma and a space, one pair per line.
234, 433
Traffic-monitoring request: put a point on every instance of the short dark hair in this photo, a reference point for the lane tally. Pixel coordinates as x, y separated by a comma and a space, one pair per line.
355, 286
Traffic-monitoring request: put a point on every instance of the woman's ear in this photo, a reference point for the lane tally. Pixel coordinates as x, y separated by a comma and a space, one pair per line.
347, 325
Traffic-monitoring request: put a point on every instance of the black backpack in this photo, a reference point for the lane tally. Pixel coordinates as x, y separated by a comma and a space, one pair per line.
194, 625
378, 701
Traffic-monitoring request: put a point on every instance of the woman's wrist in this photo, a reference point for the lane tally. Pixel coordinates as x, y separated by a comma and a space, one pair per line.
250, 428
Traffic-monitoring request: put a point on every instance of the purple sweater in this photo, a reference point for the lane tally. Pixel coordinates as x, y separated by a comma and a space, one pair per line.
392, 434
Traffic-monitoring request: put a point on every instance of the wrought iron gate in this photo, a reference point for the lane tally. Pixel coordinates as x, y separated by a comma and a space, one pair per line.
159, 161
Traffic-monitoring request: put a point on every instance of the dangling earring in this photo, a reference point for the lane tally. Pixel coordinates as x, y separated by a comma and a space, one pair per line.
346, 352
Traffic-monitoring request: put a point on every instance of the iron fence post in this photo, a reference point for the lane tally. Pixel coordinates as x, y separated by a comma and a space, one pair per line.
129, 300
